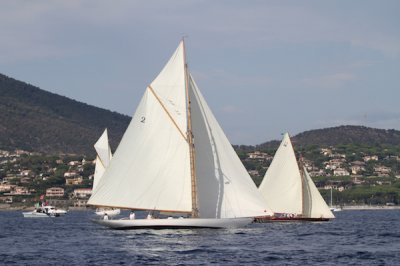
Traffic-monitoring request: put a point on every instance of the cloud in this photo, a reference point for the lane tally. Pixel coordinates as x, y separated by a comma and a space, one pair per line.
231, 109
330, 81
375, 119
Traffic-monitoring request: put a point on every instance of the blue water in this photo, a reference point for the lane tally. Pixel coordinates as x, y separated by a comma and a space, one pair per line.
354, 238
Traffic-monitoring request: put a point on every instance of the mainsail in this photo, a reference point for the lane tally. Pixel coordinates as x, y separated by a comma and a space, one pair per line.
287, 190
151, 169
103, 157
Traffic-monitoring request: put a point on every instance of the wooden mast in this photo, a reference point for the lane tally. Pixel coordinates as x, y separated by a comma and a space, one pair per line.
302, 184
195, 209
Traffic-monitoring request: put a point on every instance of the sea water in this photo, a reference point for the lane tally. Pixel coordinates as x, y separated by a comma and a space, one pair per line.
353, 238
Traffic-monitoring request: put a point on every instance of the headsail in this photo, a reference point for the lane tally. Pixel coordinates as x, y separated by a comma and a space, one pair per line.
282, 185
103, 157
225, 189
314, 204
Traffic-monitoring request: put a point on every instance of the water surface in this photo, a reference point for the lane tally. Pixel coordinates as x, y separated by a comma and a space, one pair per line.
354, 238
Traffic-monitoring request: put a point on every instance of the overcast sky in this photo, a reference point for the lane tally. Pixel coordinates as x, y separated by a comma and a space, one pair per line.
264, 67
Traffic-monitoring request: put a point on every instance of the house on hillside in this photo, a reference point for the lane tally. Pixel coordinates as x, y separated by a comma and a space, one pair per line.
257, 155
82, 193
25, 172
340, 172
254, 173
334, 163
370, 158
357, 167
74, 181
55, 192
70, 174
381, 170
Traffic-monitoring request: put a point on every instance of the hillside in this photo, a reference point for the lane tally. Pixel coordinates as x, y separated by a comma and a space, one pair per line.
35, 120
342, 135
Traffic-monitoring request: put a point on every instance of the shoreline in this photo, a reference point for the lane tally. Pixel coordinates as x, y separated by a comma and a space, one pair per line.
369, 207
8, 207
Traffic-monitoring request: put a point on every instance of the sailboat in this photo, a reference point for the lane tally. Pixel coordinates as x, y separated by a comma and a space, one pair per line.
103, 159
289, 190
175, 158
331, 207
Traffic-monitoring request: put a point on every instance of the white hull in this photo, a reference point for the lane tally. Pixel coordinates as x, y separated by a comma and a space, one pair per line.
180, 223
45, 211
110, 212
34, 215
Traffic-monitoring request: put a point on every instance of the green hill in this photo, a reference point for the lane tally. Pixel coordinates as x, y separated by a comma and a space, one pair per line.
35, 120
341, 135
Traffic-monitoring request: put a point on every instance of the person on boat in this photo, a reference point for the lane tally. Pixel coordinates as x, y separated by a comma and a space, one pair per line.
149, 216
105, 216
132, 215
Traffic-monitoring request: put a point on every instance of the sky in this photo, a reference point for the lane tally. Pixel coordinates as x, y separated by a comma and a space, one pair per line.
264, 67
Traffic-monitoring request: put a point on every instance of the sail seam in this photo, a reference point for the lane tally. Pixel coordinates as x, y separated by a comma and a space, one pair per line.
166, 111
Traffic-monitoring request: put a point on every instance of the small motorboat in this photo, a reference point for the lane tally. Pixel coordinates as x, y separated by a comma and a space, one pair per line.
44, 211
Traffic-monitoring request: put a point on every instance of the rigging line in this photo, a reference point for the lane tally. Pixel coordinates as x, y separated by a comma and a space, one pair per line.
169, 115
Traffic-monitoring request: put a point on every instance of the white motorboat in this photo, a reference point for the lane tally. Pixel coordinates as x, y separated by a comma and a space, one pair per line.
44, 211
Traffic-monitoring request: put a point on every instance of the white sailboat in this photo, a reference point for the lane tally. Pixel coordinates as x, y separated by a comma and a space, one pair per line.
331, 207
175, 158
289, 190
103, 159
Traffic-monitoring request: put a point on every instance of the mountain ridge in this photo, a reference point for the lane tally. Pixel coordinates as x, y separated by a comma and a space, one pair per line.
339, 135
36, 120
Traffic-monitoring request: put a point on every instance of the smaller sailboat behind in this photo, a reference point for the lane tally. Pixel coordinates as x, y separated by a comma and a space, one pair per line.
289, 190
103, 159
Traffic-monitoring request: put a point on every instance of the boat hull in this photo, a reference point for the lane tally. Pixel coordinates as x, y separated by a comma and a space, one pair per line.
288, 219
34, 215
185, 223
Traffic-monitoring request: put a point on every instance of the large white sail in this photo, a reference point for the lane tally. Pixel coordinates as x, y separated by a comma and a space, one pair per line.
282, 186
103, 157
225, 189
151, 167
314, 204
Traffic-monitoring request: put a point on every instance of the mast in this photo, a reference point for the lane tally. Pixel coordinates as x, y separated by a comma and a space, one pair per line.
302, 185
195, 209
